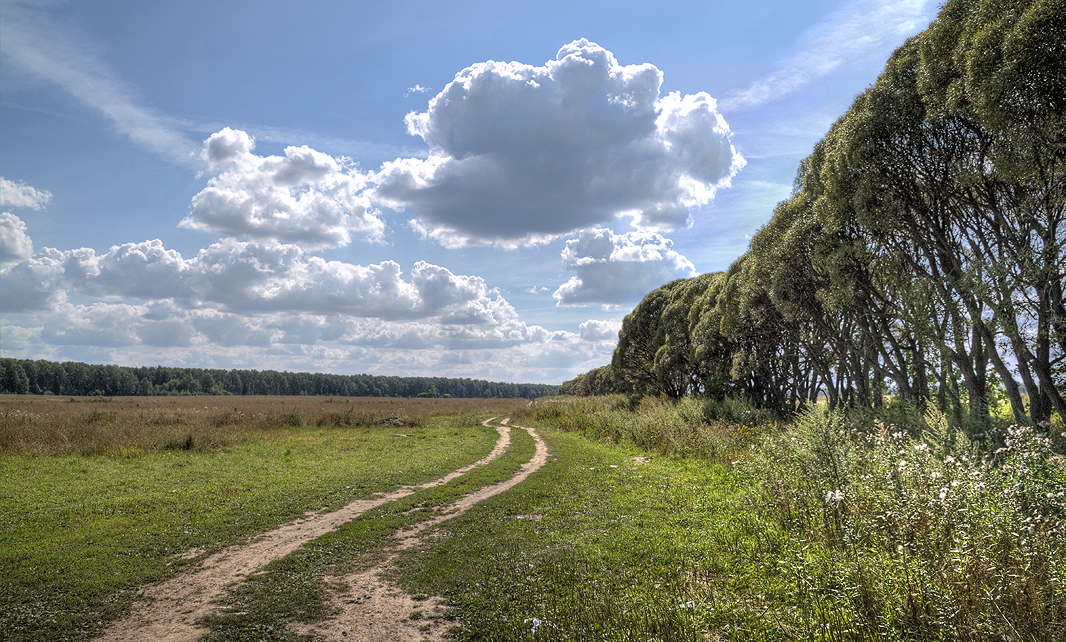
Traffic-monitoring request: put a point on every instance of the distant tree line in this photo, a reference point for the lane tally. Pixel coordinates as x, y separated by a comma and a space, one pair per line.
24, 376
919, 255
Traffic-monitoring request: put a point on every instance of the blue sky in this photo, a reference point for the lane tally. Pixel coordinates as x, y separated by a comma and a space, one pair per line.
411, 188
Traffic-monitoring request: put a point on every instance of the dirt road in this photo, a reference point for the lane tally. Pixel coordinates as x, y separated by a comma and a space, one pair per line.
168, 611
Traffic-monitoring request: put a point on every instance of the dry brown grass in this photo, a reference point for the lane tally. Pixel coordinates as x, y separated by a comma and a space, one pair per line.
130, 426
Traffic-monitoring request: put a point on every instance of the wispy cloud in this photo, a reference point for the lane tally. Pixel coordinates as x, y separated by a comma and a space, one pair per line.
859, 29
32, 42
417, 89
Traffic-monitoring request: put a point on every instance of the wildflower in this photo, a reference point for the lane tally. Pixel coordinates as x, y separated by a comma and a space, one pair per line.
921, 447
943, 493
902, 465
949, 460
833, 499
934, 475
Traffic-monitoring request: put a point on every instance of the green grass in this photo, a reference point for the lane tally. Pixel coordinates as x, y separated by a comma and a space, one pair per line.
650, 521
79, 534
596, 546
295, 589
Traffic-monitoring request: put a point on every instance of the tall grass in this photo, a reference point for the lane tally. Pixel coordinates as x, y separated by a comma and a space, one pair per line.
686, 428
914, 531
891, 526
135, 426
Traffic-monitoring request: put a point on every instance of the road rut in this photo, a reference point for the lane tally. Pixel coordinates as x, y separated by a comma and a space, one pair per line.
168, 611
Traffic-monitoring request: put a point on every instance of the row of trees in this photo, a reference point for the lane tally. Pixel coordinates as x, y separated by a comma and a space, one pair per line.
921, 251
70, 378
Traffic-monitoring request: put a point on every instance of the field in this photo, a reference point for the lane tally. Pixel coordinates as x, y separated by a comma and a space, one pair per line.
652, 522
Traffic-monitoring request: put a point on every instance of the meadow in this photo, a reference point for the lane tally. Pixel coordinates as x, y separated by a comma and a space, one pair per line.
652, 520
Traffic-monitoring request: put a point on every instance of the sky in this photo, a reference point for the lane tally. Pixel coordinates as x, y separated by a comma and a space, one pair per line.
456, 189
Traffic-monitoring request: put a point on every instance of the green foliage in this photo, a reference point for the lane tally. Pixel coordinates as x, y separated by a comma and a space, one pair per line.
24, 376
849, 526
921, 254
681, 428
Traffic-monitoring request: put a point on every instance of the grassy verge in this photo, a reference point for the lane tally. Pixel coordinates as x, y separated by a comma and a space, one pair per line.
831, 528
598, 545
79, 533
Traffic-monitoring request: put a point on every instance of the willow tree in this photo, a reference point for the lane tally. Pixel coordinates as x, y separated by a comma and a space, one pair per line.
968, 192
1001, 67
639, 340
677, 370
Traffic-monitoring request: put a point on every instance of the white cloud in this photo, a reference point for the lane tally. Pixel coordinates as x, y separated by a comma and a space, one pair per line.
15, 244
615, 269
593, 330
31, 284
14, 194
99, 324
854, 32
251, 278
161, 332
522, 154
305, 197
32, 43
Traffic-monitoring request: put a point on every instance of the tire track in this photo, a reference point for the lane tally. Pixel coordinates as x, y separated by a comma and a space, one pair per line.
168, 611
374, 610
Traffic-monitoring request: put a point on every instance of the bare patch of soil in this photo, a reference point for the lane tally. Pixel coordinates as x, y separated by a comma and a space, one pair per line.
168, 611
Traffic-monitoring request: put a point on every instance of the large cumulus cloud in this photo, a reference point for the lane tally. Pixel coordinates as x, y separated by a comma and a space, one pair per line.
305, 197
521, 154
618, 268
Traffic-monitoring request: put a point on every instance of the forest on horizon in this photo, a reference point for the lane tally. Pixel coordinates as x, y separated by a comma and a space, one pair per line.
26, 376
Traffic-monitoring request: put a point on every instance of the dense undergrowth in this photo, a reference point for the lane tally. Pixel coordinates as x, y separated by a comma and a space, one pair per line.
868, 526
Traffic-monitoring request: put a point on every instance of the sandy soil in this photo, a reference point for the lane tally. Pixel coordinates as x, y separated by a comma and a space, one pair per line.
371, 610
